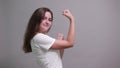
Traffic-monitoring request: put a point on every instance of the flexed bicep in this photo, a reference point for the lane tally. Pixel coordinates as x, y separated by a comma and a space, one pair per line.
69, 42
61, 44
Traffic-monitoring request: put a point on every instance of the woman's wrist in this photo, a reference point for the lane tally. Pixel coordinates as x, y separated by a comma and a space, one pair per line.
71, 19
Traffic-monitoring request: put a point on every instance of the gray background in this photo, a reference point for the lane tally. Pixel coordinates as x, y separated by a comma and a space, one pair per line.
97, 43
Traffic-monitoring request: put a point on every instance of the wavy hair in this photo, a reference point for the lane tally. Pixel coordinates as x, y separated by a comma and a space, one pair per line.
33, 27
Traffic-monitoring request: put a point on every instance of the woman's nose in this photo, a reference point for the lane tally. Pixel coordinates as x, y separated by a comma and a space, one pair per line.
47, 21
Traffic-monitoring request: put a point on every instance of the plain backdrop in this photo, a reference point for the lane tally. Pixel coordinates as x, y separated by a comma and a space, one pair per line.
97, 42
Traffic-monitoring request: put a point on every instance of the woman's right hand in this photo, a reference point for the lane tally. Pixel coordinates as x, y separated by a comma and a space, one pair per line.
68, 14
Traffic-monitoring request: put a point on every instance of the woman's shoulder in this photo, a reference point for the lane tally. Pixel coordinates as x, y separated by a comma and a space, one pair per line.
40, 35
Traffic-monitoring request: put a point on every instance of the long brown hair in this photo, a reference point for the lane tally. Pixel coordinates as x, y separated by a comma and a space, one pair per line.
33, 27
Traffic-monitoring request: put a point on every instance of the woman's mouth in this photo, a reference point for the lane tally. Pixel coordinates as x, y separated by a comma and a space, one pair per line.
46, 25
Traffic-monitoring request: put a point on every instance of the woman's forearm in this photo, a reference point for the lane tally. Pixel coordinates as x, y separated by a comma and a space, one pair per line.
71, 32
61, 52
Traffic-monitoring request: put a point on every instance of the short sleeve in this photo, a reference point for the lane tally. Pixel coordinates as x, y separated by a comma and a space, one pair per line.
43, 41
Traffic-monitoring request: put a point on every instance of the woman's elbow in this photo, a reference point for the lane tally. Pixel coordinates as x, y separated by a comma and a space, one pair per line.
71, 44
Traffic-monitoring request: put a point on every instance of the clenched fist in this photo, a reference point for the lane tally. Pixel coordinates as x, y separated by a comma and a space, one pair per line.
68, 14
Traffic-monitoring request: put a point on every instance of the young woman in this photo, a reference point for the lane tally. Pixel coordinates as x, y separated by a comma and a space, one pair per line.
48, 50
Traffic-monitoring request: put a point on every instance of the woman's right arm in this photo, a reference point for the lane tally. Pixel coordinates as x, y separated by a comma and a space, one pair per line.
69, 42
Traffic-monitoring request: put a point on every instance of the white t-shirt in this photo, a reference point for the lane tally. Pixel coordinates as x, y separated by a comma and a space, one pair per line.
46, 57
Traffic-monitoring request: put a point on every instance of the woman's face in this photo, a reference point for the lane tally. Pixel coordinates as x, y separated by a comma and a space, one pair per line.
46, 23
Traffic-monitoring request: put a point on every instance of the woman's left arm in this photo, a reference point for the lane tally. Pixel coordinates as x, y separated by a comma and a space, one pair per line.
61, 37
61, 53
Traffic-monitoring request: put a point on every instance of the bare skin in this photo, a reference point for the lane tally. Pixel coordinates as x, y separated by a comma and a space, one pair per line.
62, 44
59, 44
61, 37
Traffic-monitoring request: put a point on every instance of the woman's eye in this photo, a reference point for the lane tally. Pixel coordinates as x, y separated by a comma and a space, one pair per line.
44, 18
50, 19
